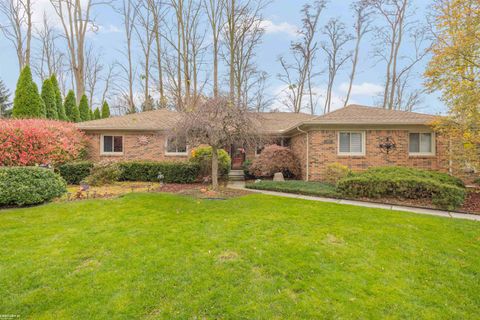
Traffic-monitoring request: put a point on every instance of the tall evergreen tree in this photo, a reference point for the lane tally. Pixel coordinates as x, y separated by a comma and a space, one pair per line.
84, 109
48, 97
70, 102
96, 114
4, 100
105, 110
75, 114
91, 115
58, 99
27, 102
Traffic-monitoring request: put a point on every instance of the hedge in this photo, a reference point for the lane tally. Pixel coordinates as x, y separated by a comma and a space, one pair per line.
20, 186
173, 172
444, 191
75, 172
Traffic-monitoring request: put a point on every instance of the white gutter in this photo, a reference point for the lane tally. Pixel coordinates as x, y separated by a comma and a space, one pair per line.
308, 153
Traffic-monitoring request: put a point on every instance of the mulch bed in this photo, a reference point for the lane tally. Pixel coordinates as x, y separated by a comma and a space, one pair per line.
472, 202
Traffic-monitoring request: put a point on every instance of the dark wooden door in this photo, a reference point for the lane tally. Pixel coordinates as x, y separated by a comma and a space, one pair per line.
238, 157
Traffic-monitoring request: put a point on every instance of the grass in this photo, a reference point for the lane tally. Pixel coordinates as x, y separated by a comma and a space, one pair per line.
161, 256
310, 188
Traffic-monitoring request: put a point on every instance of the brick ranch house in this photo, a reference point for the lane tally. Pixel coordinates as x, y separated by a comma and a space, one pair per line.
357, 136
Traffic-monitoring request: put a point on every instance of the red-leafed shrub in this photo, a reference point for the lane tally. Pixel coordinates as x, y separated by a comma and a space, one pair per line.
36, 142
275, 159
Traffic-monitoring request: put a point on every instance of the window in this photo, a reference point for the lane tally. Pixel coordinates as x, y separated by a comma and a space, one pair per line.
284, 142
421, 143
176, 146
112, 145
351, 143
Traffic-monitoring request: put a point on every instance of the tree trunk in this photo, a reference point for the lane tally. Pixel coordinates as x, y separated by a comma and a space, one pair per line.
214, 168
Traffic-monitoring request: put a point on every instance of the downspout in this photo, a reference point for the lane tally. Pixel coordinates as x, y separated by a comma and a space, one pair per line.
307, 174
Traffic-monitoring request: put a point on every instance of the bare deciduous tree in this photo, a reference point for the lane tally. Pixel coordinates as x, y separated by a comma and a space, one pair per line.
298, 76
145, 35
218, 123
93, 69
214, 10
337, 38
51, 58
129, 17
362, 27
18, 29
75, 18
399, 26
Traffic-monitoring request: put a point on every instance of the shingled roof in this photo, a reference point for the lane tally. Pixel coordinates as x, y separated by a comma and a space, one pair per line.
356, 114
157, 120
270, 122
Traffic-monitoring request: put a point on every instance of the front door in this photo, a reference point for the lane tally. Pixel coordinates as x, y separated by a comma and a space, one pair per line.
238, 157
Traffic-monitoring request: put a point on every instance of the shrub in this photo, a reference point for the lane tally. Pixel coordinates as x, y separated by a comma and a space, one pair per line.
444, 191
33, 142
246, 169
477, 181
275, 159
20, 186
75, 172
102, 173
335, 172
173, 172
202, 156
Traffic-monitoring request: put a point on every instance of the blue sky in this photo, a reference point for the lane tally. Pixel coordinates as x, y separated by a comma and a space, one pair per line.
282, 17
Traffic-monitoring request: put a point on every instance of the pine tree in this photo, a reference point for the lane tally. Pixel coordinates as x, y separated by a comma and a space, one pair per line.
84, 109
48, 97
96, 114
4, 100
105, 110
91, 115
58, 99
70, 102
27, 102
75, 117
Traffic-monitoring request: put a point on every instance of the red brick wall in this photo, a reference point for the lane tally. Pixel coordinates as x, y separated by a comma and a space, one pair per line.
133, 148
324, 146
298, 144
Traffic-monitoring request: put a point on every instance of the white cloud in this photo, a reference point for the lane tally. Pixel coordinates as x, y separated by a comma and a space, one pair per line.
282, 27
366, 89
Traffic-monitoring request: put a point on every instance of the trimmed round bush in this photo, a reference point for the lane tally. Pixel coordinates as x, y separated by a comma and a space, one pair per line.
75, 172
202, 156
102, 173
173, 172
275, 159
335, 172
445, 192
21, 186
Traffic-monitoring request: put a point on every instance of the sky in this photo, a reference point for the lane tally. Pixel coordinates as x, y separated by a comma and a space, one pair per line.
281, 20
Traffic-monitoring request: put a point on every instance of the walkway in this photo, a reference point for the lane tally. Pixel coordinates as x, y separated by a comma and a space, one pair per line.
440, 213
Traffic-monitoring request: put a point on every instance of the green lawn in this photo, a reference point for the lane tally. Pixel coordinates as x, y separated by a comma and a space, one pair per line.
156, 256
311, 188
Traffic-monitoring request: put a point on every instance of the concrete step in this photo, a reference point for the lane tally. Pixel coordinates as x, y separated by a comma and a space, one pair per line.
236, 175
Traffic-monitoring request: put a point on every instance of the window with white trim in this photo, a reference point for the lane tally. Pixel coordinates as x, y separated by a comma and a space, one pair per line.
351, 143
421, 143
176, 146
112, 144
